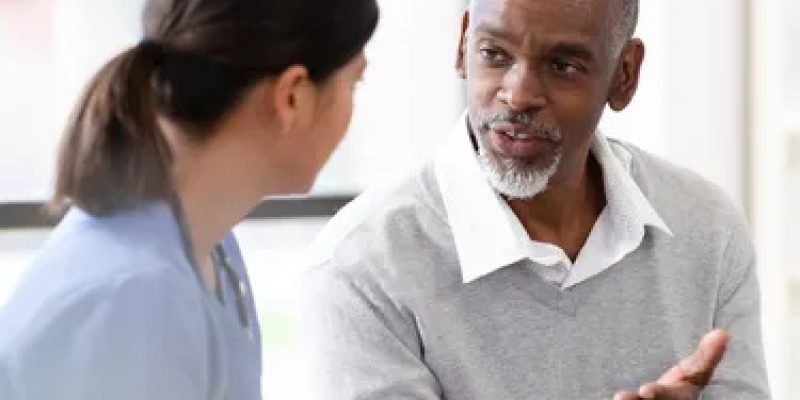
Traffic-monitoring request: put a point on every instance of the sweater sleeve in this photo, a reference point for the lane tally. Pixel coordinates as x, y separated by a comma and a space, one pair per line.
742, 373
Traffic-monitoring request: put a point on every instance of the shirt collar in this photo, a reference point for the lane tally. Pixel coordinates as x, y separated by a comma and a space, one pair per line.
486, 240
626, 201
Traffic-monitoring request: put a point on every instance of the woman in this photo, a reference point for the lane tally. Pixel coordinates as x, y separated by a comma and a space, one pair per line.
141, 292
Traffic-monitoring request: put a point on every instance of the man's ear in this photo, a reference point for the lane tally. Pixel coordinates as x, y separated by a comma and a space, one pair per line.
462, 47
626, 77
294, 98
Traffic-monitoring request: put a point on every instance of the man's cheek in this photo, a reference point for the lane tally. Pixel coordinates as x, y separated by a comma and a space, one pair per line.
485, 92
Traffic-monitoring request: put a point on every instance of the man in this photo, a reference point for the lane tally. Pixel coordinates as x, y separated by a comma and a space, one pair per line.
535, 258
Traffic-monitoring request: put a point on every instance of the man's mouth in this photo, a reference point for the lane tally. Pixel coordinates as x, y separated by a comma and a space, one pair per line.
518, 133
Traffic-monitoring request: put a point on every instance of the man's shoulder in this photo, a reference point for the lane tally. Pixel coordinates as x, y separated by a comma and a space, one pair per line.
392, 214
682, 197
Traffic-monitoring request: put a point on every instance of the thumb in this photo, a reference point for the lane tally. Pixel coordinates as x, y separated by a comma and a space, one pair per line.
699, 367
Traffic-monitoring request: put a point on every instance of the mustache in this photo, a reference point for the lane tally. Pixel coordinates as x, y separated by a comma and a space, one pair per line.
520, 122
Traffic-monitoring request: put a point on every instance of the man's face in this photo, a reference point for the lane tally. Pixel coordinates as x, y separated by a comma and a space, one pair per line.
539, 73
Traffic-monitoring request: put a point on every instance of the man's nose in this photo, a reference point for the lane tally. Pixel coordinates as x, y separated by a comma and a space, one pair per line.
522, 89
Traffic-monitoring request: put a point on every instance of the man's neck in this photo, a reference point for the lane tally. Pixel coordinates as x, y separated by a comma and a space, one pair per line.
565, 213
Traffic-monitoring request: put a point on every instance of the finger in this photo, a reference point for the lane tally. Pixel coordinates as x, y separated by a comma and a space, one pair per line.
693, 365
699, 367
624, 395
673, 376
648, 390
655, 391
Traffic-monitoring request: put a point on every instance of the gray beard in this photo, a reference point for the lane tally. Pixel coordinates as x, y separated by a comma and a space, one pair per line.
514, 180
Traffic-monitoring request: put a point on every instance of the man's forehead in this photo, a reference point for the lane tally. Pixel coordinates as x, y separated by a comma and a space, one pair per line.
578, 4
586, 16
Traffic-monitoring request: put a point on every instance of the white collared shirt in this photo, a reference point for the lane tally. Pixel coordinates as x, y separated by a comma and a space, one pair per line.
489, 236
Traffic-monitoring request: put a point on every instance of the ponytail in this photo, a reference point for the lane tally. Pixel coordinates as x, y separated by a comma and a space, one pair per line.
113, 155
199, 60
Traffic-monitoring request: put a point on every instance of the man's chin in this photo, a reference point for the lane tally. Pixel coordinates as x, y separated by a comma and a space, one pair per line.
516, 182
522, 165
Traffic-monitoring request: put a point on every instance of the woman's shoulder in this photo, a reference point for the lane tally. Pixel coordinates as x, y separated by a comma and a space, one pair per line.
84, 250
92, 270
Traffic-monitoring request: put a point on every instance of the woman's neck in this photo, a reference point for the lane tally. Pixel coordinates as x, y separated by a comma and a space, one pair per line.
216, 192
217, 183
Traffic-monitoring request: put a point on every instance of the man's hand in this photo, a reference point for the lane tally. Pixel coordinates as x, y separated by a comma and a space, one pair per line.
689, 377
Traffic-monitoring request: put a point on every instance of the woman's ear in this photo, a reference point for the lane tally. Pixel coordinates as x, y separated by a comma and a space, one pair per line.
294, 99
626, 77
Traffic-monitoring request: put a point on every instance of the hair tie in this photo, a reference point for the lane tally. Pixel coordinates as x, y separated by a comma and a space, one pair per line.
153, 49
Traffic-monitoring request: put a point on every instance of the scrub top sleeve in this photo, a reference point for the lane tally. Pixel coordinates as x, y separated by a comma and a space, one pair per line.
139, 337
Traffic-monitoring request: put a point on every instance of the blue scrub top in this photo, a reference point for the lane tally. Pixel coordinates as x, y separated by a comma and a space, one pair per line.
111, 309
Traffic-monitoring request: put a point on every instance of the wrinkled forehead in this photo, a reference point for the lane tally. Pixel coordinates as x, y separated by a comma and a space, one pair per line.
579, 18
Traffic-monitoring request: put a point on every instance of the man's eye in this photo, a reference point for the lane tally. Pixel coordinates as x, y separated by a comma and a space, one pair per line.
494, 56
562, 67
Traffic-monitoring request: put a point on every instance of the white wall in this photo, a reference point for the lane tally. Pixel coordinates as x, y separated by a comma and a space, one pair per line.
409, 100
689, 107
27, 82
774, 113
88, 33
55, 46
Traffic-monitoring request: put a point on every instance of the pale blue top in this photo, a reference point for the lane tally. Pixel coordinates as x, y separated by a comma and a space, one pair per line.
111, 309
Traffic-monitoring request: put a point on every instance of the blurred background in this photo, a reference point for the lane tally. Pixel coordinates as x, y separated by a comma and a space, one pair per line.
720, 94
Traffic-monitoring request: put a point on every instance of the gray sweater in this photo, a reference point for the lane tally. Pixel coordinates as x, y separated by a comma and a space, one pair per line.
389, 316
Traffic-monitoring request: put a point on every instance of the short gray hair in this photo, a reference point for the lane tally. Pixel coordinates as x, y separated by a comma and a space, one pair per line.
628, 21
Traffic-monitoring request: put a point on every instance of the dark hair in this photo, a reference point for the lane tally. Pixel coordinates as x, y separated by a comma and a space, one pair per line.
196, 61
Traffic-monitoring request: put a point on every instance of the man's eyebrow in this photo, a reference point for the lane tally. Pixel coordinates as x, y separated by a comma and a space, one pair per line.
494, 31
572, 49
562, 48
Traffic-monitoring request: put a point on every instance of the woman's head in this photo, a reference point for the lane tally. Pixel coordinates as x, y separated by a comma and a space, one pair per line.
289, 66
